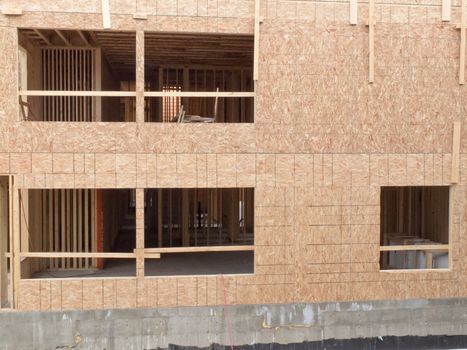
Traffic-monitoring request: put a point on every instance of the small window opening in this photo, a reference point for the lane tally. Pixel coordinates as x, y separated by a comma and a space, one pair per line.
414, 228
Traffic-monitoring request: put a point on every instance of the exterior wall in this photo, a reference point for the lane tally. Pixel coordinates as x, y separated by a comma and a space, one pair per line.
323, 141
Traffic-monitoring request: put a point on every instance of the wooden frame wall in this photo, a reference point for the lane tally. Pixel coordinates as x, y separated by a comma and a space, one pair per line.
4, 249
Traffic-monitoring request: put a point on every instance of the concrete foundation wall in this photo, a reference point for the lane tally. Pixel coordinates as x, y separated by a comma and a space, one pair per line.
234, 325
323, 143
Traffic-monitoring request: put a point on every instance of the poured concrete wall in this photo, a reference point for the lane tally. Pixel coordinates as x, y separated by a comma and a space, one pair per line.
234, 325
323, 142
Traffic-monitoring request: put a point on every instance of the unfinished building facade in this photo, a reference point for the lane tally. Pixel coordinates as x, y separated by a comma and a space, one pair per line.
207, 152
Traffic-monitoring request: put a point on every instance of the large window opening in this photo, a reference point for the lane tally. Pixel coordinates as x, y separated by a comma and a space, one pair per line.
199, 78
199, 230
77, 233
77, 76
414, 227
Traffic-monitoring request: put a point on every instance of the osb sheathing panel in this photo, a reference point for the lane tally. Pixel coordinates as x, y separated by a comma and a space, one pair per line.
323, 143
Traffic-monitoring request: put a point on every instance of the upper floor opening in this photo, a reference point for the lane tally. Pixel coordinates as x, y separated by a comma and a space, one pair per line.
193, 78
77, 76
85, 76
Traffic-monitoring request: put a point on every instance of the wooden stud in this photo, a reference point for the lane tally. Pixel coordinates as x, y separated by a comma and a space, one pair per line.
446, 10
16, 273
462, 45
139, 76
24, 220
93, 226
99, 245
87, 209
75, 227
397, 248
170, 217
353, 12
80, 227
185, 218
159, 217
62, 226
11, 234
450, 226
455, 166
105, 14
3, 240
371, 41
256, 40
97, 74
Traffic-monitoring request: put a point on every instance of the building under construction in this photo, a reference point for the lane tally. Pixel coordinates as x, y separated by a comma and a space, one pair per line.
218, 153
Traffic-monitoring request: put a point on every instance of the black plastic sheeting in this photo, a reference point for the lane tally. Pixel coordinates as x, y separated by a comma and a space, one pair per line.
383, 343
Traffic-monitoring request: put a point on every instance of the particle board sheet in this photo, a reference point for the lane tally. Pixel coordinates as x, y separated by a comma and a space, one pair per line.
69, 69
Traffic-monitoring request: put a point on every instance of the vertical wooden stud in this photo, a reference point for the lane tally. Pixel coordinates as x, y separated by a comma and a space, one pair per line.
159, 217
140, 76
3, 240
446, 10
455, 166
105, 14
16, 244
80, 227
62, 225
256, 40
353, 11
86, 226
185, 218
462, 45
93, 226
371, 41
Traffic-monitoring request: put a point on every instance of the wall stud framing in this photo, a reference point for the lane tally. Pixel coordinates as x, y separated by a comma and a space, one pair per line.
446, 10
106, 14
456, 139
256, 40
462, 45
371, 41
353, 12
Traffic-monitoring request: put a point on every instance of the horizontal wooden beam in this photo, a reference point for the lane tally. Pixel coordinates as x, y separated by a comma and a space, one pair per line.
197, 94
133, 93
77, 93
232, 248
394, 248
77, 255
